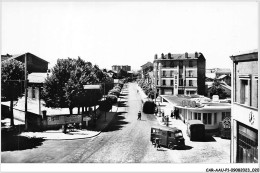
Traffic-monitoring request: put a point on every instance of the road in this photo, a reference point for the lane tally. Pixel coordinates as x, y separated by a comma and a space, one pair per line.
126, 141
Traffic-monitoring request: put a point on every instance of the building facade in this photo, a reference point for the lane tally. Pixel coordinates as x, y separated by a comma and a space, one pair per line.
201, 108
146, 69
180, 74
244, 117
119, 67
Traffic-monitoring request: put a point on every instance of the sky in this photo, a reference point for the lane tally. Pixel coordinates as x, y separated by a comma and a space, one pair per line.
129, 33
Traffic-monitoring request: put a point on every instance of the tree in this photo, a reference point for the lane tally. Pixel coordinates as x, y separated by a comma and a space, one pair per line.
121, 74
64, 88
217, 90
12, 75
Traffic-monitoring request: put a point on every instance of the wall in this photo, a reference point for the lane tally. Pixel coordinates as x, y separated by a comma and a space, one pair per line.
249, 69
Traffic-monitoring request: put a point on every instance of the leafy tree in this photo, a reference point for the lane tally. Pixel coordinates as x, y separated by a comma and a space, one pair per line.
121, 74
64, 88
12, 71
217, 90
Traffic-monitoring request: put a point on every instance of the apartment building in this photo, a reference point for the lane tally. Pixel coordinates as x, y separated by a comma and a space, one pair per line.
244, 114
180, 74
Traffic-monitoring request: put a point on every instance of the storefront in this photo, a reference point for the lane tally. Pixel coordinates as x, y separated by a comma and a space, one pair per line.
200, 108
247, 144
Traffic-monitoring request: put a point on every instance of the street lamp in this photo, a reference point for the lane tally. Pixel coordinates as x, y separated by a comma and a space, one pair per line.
25, 87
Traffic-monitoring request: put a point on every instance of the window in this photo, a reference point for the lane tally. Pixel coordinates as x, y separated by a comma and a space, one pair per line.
157, 82
164, 82
215, 118
171, 82
164, 73
207, 118
180, 82
190, 64
190, 83
244, 92
171, 73
197, 116
190, 73
33, 92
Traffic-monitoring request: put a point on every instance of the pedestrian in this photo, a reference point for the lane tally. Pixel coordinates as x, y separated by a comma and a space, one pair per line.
175, 113
172, 114
139, 115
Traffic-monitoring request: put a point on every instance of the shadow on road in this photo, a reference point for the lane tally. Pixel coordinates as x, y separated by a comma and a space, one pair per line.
208, 138
13, 142
122, 104
161, 149
118, 123
124, 95
186, 147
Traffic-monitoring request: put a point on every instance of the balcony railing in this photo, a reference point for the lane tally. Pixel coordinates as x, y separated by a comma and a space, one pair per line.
169, 76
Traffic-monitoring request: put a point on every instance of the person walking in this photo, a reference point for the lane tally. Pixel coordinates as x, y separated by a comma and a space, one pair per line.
172, 114
139, 115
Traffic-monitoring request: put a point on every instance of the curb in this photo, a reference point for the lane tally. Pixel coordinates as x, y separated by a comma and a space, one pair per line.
112, 120
98, 132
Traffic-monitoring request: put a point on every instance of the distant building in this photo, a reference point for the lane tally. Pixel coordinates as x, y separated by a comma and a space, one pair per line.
119, 67
244, 119
221, 74
146, 69
34, 63
180, 74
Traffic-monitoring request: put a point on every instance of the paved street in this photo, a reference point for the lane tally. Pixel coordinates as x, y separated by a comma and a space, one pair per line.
125, 141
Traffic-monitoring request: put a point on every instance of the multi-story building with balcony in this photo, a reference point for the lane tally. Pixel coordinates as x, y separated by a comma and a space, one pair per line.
244, 114
180, 74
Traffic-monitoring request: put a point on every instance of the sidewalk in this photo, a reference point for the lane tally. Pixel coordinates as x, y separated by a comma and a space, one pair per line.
172, 122
101, 125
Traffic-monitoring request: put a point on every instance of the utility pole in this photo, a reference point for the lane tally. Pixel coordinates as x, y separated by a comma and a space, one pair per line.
25, 87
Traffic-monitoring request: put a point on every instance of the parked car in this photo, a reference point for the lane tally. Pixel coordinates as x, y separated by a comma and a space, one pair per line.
196, 130
170, 137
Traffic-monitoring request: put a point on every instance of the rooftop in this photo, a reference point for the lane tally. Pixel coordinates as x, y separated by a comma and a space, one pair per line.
9, 57
201, 102
245, 52
186, 55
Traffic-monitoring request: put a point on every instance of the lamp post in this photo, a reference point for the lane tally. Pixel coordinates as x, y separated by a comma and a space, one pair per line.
25, 87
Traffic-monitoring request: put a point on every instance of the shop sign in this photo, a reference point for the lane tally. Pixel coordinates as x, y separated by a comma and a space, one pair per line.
226, 123
189, 103
86, 118
73, 119
251, 118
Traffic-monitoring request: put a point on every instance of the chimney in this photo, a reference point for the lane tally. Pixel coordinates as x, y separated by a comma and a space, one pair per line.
162, 56
155, 56
169, 55
196, 54
186, 55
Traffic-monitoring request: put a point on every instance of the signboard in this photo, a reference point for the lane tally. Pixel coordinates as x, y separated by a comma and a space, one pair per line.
86, 118
63, 119
73, 119
215, 98
226, 123
91, 87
